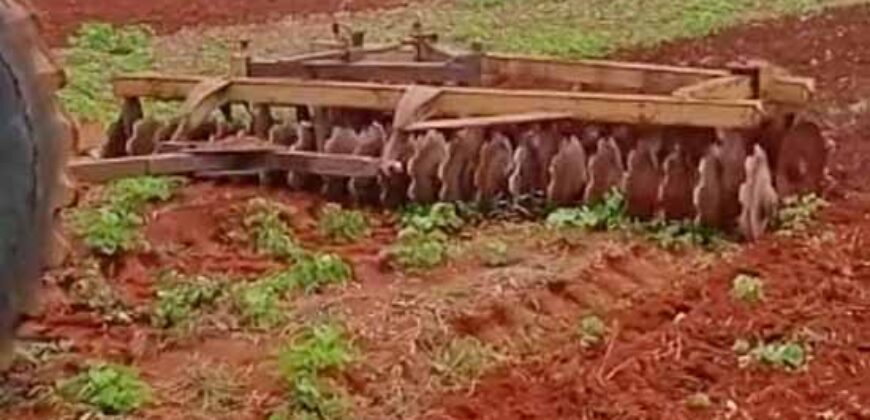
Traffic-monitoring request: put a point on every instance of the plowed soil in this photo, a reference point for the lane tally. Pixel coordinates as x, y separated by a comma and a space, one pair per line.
671, 322
671, 346
60, 18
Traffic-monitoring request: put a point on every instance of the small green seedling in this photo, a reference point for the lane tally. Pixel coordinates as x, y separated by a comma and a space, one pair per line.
678, 235
496, 253
342, 226
462, 360
315, 272
442, 217
419, 250
259, 304
305, 360
797, 213
269, 232
746, 288
607, 214
135, 193
178, 302
111, 389
591, 330
788, 355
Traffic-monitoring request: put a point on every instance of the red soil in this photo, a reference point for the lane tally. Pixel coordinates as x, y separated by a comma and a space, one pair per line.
667, 347
60, 18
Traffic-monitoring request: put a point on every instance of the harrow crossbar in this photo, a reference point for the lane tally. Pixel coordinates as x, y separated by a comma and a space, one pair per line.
179, 163
462, 101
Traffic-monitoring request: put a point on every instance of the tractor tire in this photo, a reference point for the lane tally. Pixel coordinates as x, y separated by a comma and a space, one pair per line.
32, 134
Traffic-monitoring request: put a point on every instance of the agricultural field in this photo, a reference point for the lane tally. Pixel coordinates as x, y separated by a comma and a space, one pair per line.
196, 298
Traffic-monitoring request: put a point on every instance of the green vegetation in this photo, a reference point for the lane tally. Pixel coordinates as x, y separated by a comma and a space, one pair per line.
111, 389
591, 330
463, 359
340, 225
97, 52
419, 250
746, 288
786, 355
496, 253
442, 217
677, 235
269, 232
596, 28
259, 302
797, 213
179, 300
305, 363
607, 214
111, 225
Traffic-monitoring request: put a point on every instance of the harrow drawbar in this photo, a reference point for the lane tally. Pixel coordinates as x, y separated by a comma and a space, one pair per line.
413, 121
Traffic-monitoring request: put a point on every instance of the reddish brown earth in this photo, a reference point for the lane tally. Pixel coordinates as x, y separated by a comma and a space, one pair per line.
60, 18
667, 347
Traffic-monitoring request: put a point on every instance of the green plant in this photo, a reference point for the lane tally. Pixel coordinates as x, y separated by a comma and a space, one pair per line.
111, 225
96, 52
112, 389
591, 330
177, 302
788, 355
134, 193
107, 230
463, 359
340, 225
607, 214
314, 272
442, 217
676, 234
797, 213
746, 288
303, 362
270, 233
259, 303
415, 249
496, 253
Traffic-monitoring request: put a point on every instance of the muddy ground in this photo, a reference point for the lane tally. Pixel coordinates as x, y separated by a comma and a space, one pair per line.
671, 322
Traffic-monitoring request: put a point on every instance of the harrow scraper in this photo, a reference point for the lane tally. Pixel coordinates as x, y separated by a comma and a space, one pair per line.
415, 121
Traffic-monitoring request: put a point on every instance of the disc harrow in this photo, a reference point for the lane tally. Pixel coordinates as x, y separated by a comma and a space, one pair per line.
415, 121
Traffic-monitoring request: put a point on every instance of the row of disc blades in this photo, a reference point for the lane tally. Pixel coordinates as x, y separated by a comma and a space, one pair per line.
721, 178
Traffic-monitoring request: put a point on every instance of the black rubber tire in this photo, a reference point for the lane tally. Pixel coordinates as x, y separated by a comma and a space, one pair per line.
30, 134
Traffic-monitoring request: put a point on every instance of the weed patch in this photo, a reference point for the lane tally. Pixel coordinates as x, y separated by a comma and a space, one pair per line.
786, 355
416, 250
443, 217
678, 235
305, 363
462, 360
179, 301
111, 389
496, 253
342, 226
111, 226
269, 232
797, 213
591, 330
746, 288
607, 214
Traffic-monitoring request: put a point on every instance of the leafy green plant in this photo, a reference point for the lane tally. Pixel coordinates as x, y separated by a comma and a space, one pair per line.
788, 355
746, 288
675, 234
270, 233
112, 389
259, 304
607, 214
111, 226
340, 225
415, 249
591, 330
797, 213
442, 217
98, 51
463, 359
177, 302
317, 351
496, 253
314, 272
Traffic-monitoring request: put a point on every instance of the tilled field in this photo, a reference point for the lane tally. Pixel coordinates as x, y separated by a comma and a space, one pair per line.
478, 338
